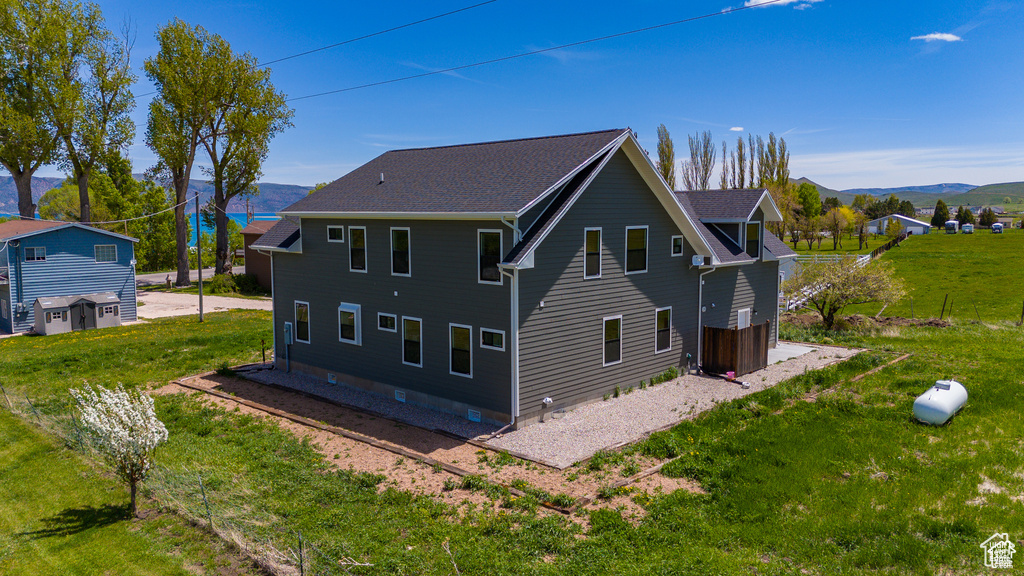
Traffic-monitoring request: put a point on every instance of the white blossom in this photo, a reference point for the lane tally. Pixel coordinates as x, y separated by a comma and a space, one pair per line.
124, 428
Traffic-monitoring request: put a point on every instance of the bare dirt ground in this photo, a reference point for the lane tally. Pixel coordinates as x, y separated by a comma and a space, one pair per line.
864, 321
411, 475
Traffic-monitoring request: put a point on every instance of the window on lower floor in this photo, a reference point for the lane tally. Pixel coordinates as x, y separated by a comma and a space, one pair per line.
37, 254
663, 330
636, 249
302, 322
612, 340
387, 322
412, 342
3, 309
489, 247
105, 252
49, 317
349, 329
461, 339
493, 339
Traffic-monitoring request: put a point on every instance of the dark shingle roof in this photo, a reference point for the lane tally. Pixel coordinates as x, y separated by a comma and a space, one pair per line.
777, 247
726, 251
284, 233
724, 204
258, 226
489, 177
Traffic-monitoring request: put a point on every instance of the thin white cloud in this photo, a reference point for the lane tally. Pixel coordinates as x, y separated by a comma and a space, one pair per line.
566, 56
938, 37
910, 166
800, 4
736, 129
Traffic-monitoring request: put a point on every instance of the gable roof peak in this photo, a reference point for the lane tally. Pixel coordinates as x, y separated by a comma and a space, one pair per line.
616, 131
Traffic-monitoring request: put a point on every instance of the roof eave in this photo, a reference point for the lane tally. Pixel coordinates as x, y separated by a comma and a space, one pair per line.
402, 215
776, 214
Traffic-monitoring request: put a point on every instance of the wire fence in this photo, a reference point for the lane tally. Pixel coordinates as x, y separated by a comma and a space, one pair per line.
267, 540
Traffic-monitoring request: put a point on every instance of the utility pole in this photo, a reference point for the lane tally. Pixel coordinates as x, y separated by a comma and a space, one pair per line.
199, 257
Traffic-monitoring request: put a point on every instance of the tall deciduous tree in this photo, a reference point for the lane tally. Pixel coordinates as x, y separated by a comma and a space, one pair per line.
941, 215
697, 170
28, 139
810, 200
191, 73
666, 157
237, 138
90, 96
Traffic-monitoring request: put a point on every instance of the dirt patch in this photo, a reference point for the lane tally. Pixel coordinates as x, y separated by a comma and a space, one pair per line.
409, 474
862, 321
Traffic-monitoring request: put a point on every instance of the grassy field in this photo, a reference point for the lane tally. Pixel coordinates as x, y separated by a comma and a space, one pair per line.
843, 483
849, 246
981, 269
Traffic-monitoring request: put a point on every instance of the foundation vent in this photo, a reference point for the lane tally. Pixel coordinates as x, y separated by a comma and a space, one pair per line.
473, 415
400, 395
332, 378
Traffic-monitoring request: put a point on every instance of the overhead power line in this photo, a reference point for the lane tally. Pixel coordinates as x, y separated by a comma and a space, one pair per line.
358, 38
540, 51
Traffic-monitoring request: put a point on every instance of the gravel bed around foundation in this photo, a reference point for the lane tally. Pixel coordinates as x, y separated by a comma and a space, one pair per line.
631, 417
375, 403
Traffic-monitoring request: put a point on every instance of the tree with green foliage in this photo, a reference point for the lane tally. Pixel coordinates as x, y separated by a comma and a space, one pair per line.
237, 138
941, 215
987, 217
62, 202
191, 73
318, 186
964, 216
28, 138
666, 157
894, 229
861, 201
836, 284
89, 96
810, 201
146, 209
829, 204
906, 208
835, 222
697, 170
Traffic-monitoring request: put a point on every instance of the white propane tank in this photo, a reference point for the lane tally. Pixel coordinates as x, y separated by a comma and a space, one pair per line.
940, 402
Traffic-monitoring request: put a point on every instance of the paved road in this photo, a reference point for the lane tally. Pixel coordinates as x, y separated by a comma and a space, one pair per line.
164, 304
159, 278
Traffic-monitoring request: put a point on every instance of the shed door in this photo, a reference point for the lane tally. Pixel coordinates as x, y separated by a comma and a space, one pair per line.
743, 318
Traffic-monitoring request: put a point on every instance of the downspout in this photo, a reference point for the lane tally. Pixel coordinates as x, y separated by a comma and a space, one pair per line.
514, 336
700, 317
273, 309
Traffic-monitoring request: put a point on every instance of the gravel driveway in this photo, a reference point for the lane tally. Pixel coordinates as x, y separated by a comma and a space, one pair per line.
628, 418
164, 304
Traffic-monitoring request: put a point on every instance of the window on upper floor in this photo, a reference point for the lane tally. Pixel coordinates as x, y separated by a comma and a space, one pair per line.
490, 251
636, 249
36, 254
335, 233
677, 245
592, 253
357, 248
401, 258
753, 247
105, 252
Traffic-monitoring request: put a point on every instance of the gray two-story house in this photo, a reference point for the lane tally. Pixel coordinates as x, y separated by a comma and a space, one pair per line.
501, 280
63, 276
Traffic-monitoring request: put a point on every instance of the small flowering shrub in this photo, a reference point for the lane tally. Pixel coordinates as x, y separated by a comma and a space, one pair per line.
123, 427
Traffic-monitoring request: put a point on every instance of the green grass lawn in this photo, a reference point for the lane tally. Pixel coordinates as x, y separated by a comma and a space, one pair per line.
194, 290
849, 246
982, 269
845, 484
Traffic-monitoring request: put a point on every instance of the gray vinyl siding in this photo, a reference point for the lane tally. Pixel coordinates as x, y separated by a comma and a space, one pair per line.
70, 269
442, 289
732, 288
561, 345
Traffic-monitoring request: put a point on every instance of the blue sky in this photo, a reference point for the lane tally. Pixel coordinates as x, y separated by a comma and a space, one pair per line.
866, 93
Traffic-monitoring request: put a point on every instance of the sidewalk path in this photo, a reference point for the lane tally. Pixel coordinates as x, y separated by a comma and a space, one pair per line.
164, 304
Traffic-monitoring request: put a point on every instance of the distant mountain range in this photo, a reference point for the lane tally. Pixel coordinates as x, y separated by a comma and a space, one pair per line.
953, 194
272, 197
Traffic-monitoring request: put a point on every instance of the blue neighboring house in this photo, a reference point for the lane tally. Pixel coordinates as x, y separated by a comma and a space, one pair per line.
78, 264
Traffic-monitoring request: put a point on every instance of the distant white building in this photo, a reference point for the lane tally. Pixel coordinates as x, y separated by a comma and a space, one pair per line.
911, 225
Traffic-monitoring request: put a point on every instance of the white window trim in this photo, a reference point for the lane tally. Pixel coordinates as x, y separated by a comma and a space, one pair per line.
647, 250
309, 322
451, 343
391, 234
672, 247
656, 311
485, 346
366, 250
420, 320
357, 317
604, 361
35, 250
600, 252
94, 255
749, 318
760, 243
501, 252
392, 316
342, 228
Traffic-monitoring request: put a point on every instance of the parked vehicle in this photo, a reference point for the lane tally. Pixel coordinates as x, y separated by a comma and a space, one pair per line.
997, 228
967, 229
952, 226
